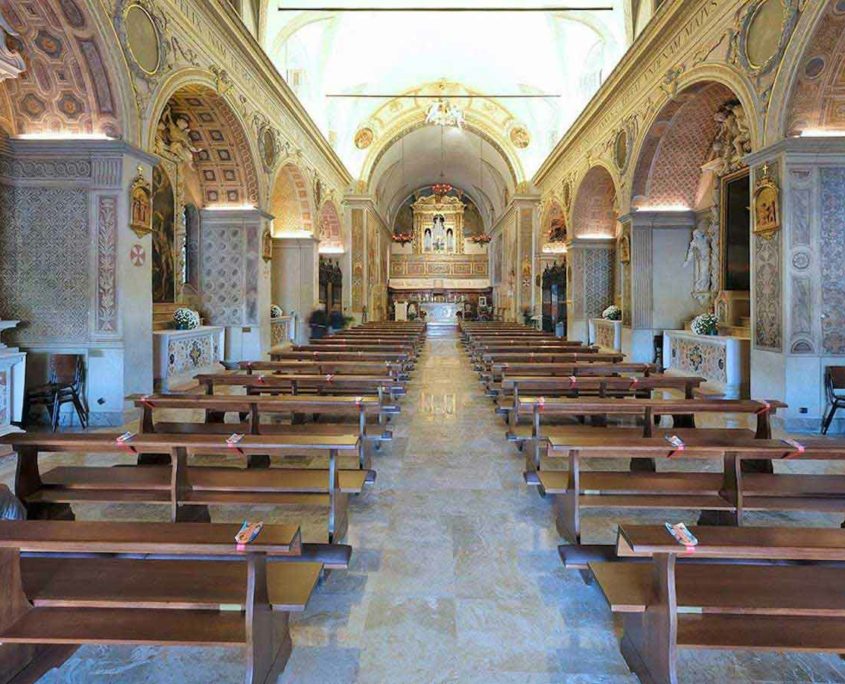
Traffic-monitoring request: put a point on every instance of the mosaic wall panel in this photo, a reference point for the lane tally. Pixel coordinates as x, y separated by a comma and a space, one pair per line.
66, 83
357, 259
45, 265
598, 281
768, 288
700, 357
106, 265
832, 238
421, 266
222, 274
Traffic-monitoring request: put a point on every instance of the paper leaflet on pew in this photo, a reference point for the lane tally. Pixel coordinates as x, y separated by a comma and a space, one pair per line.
248, 532
682, 534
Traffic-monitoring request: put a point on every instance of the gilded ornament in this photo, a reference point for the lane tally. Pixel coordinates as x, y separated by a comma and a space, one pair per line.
142, 33
520, 137
140, 205
364, 138
766, 205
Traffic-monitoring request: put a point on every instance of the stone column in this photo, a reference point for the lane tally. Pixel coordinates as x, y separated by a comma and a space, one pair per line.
296, 279
589, 286
235, 279
526, 213
798, 278
656, 286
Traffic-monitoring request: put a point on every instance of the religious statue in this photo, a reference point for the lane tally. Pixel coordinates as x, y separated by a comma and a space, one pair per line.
699, 255
173, 137
733, 138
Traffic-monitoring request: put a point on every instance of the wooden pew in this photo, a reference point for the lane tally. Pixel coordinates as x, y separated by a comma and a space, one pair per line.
254, 407
732, 491
65, 584
492, 379
646, 409
602, 386
789, 599
394, 370
382, 386
185, 489
396, 357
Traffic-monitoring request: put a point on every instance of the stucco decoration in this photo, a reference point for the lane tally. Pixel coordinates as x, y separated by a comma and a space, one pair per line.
106, 314
222, 274
68, 86
593, 212
818, 100
330, 232
289, 201
364, 138
767, 284
11, 62
765, 30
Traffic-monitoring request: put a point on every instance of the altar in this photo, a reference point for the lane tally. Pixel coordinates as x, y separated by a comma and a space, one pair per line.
441, 313
12, 374
724, 362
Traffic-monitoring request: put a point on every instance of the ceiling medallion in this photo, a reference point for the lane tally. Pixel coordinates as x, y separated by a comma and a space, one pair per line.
441, 113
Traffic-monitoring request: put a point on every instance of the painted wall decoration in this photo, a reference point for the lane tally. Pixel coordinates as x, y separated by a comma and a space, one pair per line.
598, 281
289, 202
357, 259
106, 322
164, 277
593, 212
137, 255
833, 259
767, 288
222, 274
451, 266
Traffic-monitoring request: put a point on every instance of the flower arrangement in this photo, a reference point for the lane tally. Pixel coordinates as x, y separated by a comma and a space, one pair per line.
403, 238
481, 239
186, 319
612, 313
705, 324
276, 311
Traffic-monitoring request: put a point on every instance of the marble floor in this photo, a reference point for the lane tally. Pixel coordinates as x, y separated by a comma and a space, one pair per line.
455, 575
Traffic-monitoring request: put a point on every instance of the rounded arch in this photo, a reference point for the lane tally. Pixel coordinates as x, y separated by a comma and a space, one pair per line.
330, 232
594, 206
74, 82
678, 142
195, 124
290, 202
807, 96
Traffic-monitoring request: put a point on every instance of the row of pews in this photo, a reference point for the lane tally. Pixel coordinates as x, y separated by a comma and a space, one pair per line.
299, 430
743, 588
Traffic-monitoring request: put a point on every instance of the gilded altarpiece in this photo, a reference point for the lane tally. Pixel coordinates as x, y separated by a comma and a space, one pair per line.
438, 225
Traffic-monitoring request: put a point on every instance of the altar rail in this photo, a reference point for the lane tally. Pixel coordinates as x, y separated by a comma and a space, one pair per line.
723, 361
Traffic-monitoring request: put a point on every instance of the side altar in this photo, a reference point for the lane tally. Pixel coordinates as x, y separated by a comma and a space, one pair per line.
12, 375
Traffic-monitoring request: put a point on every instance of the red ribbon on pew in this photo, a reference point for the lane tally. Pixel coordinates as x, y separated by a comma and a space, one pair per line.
260, 380
249, 365
572, 381
798, 448
359, 401
635, 381
123, 441
676, 442
541, 403
329, 377
232, 442
766, 408
145, 401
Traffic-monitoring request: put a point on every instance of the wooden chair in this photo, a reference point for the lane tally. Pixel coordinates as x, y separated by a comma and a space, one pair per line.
65, 384
834, 387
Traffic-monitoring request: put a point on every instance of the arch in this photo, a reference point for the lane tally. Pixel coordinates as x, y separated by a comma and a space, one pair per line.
331, 235
198, 126
594, 207
290, 203
810, 91
72, 83
678, 142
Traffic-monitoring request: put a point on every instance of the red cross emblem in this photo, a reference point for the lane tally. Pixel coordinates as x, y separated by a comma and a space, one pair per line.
137, 255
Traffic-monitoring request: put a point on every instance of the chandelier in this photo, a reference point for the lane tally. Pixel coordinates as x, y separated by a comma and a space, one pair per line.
441, 113
441, 189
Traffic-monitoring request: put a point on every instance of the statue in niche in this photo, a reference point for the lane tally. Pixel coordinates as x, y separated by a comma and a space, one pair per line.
698, 255
733, 137
173, 137
438, 234
427, 240
450, 241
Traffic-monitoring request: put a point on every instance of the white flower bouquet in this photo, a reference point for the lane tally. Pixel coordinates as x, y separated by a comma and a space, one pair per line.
705, 324
276, 311
186, 319
612, 313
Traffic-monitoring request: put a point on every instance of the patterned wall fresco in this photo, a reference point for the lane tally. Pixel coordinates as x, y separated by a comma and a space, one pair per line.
833, 258
66, 85
679, 142
592, 212
767, 314
598, 281
525, 232
818, 98
357, 259
106, 315
801, 264
45, 266
330, 232
224, 161
222, 274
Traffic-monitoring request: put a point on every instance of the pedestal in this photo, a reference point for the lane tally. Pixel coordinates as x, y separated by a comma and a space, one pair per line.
606, 334
182, 354
12, 376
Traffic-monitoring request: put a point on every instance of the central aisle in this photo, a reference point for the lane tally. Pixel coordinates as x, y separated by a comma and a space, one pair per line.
455, 574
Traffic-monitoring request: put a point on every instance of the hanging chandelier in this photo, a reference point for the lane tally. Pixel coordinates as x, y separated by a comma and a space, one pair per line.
441, 189
441, 113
